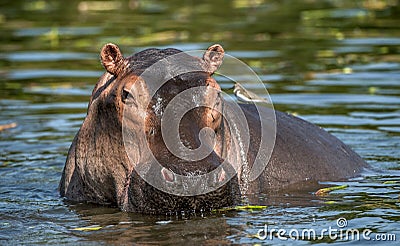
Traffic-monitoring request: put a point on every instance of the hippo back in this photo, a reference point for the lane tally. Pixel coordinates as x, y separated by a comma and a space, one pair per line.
302, 152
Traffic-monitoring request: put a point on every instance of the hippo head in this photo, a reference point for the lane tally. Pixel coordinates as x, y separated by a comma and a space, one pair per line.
135, 115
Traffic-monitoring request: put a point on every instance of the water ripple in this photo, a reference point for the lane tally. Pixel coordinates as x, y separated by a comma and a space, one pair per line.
372, 41
50, 73
41, 56
74, 31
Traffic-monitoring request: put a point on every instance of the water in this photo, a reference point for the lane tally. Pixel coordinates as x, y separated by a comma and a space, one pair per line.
334, 63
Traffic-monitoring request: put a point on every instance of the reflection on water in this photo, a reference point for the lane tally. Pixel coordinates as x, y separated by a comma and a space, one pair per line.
334, 63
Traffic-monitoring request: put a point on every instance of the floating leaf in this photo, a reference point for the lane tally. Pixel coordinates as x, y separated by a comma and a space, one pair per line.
253, 236
372, 90
241, 208
347, 70
330, 202
253, 207
391, 182
88, 228
324, 191
8, 126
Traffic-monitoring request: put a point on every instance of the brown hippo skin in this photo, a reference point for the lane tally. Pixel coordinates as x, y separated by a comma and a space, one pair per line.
98, 169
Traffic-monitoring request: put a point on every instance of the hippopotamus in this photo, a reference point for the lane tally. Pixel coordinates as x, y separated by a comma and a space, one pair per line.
121, 149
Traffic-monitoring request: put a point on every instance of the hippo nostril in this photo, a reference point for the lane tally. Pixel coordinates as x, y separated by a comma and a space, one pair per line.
168, 175
222, 176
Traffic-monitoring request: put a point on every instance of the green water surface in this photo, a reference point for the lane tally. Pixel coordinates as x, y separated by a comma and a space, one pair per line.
335, 63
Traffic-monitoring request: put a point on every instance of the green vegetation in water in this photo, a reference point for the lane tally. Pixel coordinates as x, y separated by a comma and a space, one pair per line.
325, 191
372, 90
391, 182
241, 208
330, 202
87, 228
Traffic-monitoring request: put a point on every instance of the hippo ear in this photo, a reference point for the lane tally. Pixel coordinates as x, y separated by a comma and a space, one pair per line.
213, 57
111, 58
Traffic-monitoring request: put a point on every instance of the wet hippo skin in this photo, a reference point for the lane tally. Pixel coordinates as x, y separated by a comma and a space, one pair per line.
101, 169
